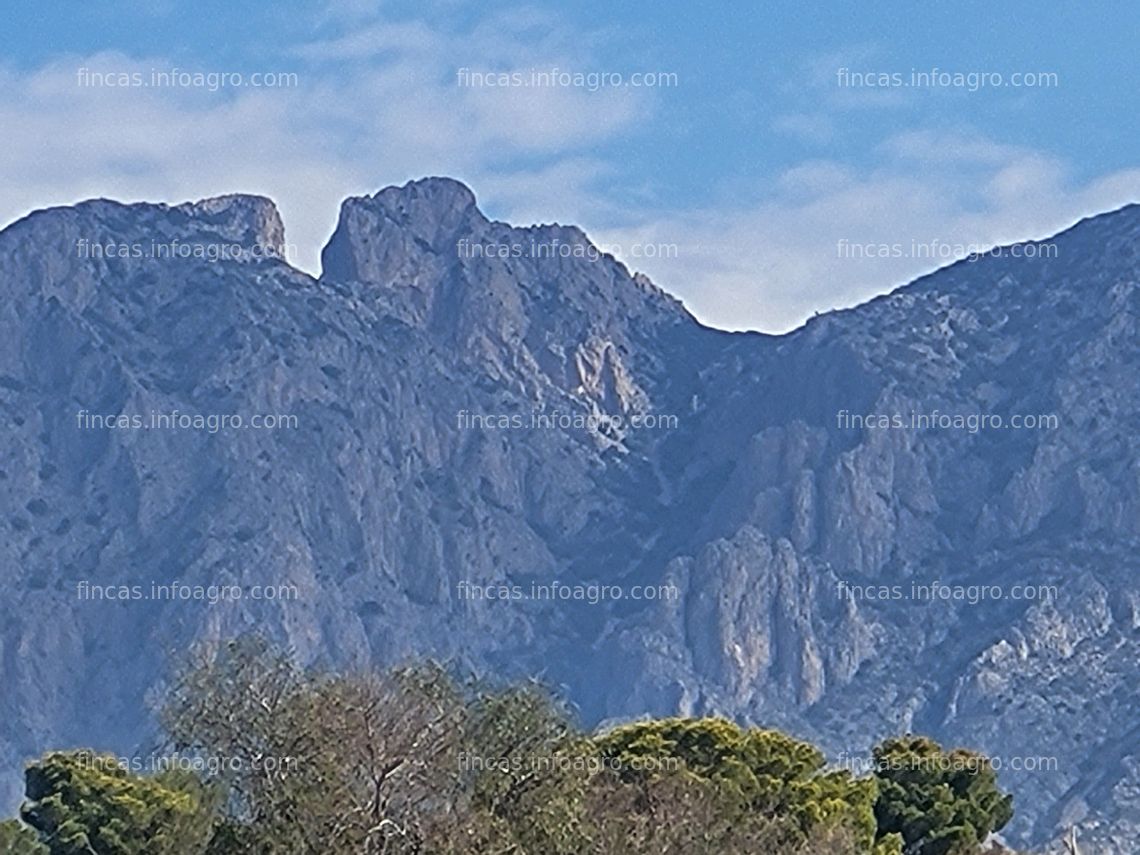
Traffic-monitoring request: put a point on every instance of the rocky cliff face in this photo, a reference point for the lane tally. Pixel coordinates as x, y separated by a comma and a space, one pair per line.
467, 407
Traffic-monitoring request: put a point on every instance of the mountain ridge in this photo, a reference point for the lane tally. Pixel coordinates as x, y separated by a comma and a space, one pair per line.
454, 188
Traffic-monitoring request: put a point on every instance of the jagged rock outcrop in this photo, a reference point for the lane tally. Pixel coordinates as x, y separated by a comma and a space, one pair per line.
417, 368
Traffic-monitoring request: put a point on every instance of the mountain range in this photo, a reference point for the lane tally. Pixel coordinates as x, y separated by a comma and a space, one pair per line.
480, 425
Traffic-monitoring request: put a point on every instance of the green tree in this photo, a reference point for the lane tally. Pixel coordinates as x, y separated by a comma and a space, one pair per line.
750, 773
18, 839
527, 766
81, 803
939, 802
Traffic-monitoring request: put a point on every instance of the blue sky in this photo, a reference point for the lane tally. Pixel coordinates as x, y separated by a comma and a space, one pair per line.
733, 186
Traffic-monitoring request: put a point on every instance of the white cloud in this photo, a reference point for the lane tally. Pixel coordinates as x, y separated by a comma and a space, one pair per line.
770, 266
958, 146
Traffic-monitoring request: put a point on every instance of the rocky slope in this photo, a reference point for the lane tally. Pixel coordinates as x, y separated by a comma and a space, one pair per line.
757, 499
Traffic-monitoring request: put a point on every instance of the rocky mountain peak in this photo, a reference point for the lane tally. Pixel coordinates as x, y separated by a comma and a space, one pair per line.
425, 195
89, 235
375, 232
429, 236
534, 303
70, 252
245, 219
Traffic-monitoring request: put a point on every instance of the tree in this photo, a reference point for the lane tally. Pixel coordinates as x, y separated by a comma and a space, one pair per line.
82, 803
751, 774
941, 803
676, 813
391, 744
320, 763
19, 839
245, 706
528, 767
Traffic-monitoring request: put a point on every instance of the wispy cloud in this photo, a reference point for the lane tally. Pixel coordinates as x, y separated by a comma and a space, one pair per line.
773, 264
